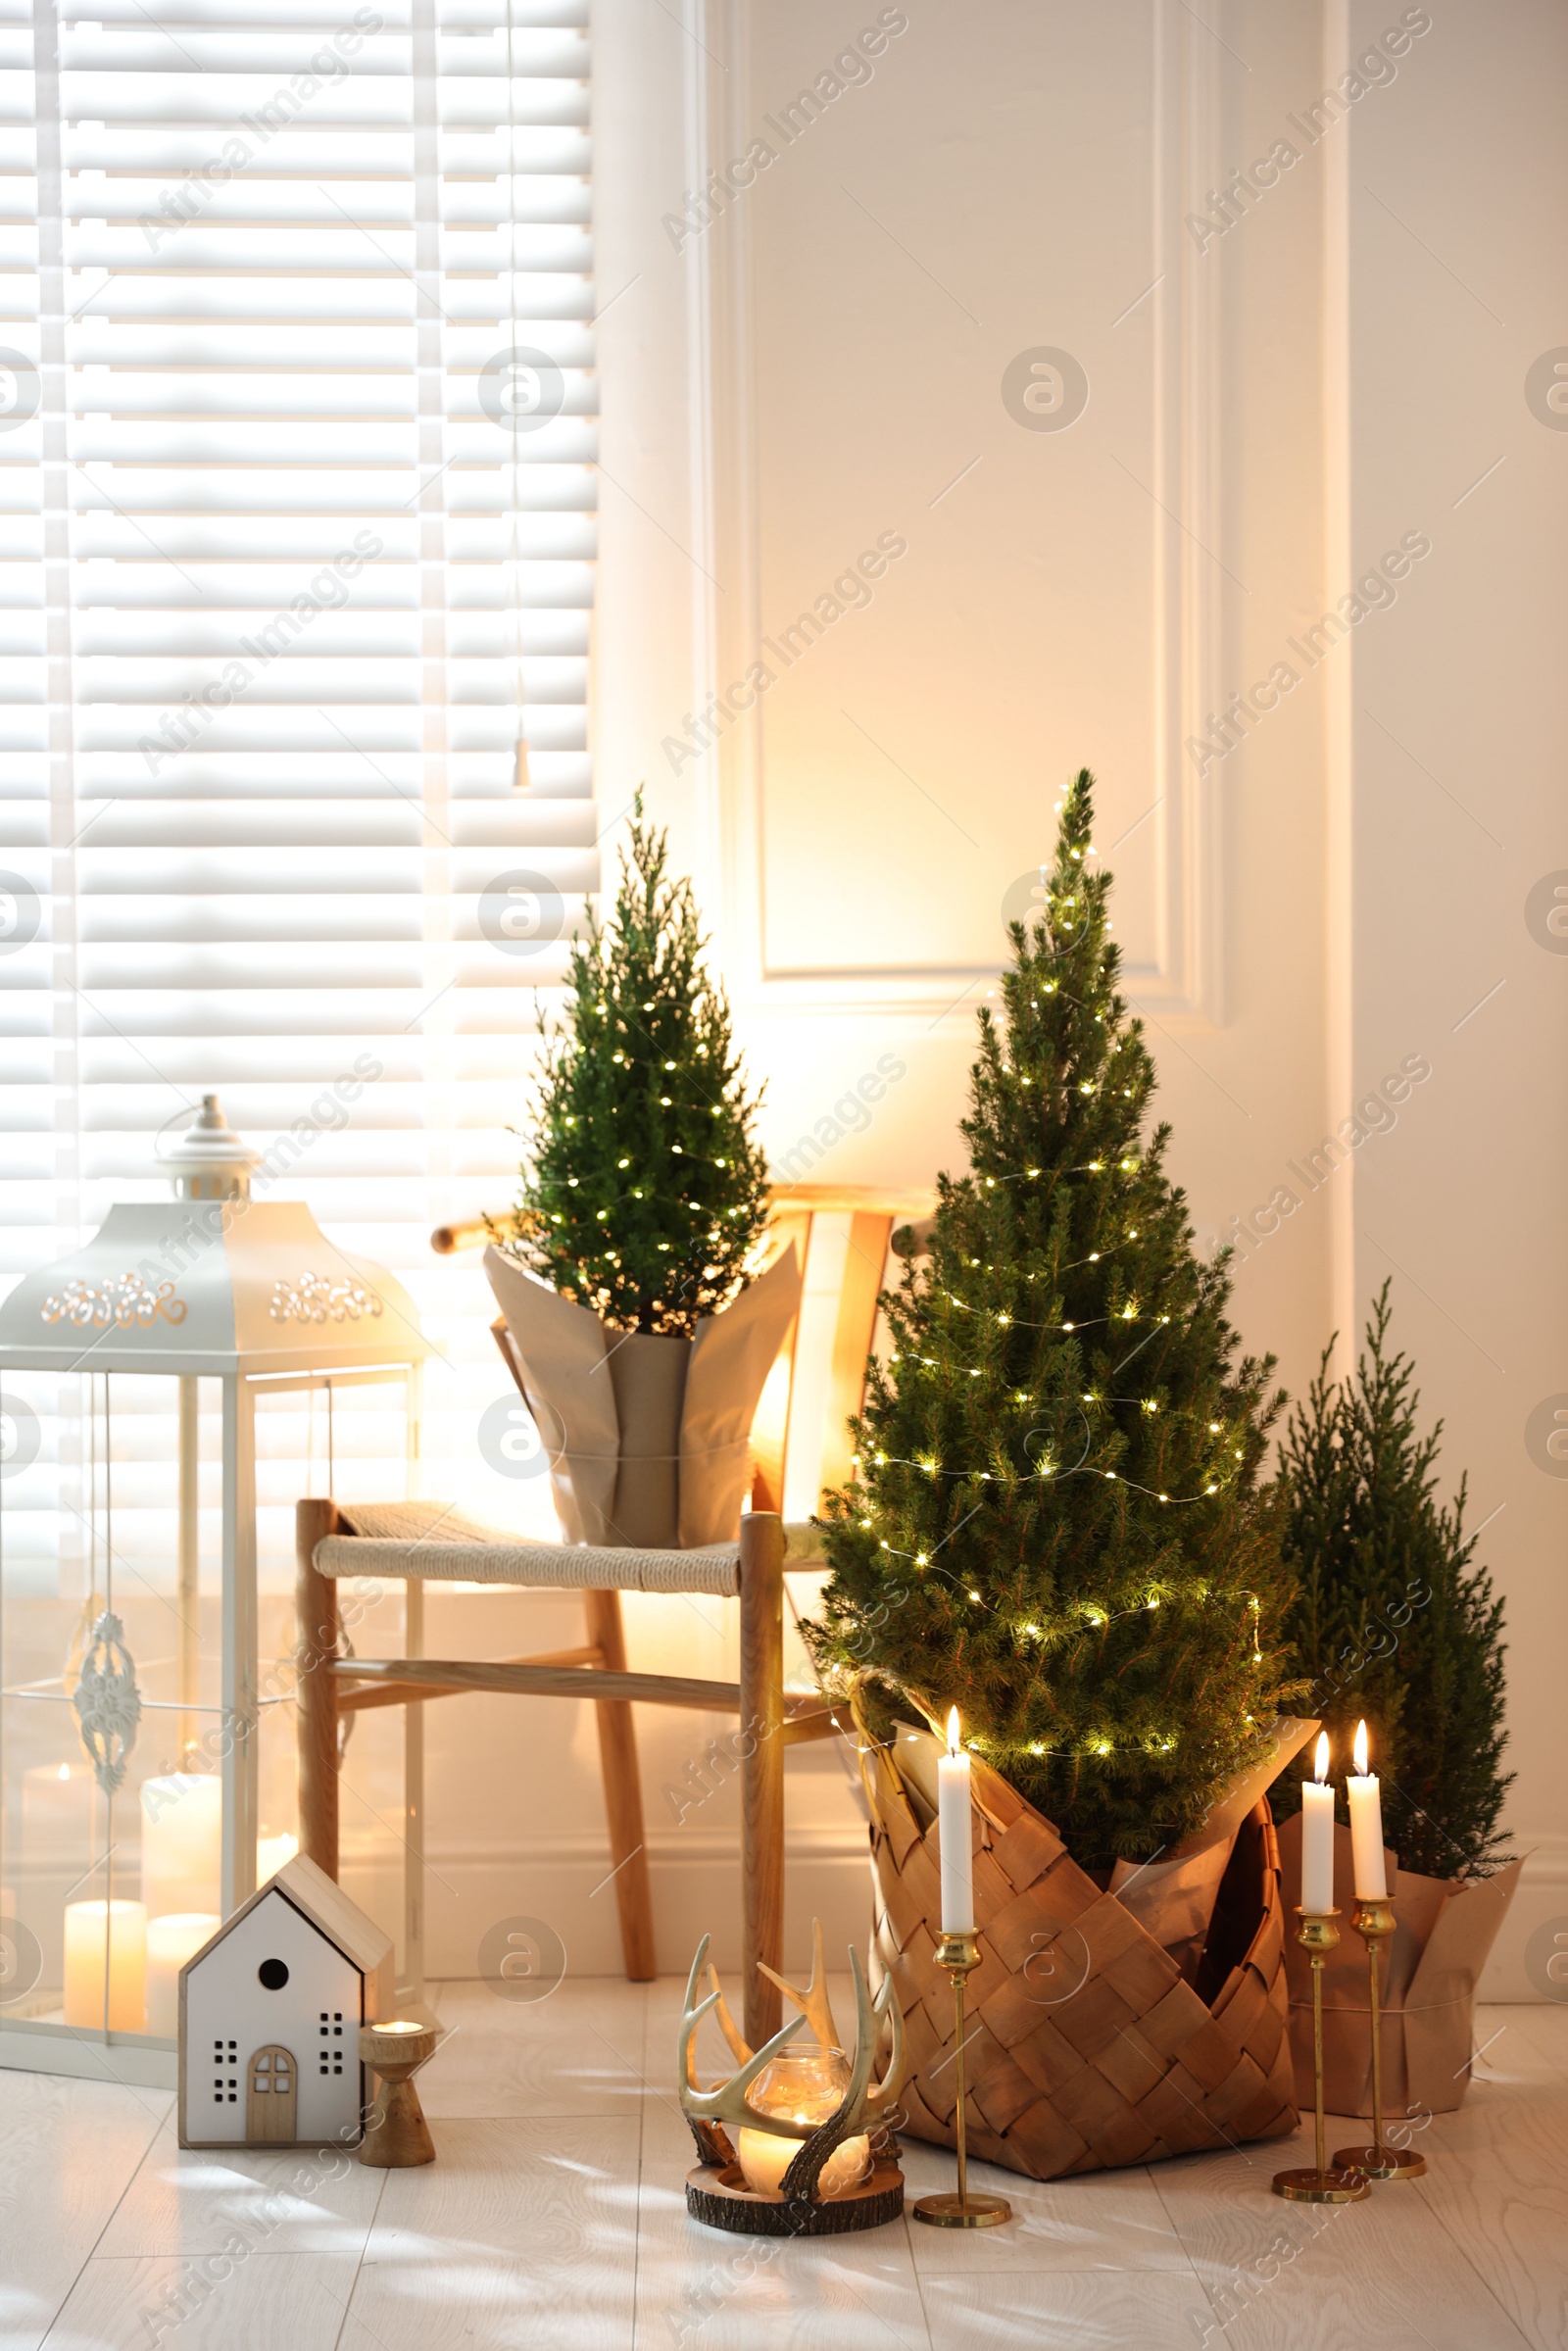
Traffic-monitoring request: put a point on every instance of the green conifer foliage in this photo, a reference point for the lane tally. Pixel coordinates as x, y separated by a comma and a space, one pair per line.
1392, 1619
645, 1188
1057, 1524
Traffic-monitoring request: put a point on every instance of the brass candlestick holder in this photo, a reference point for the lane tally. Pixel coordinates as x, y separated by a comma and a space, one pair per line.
1374, 1923
959, 1954
1318, 1937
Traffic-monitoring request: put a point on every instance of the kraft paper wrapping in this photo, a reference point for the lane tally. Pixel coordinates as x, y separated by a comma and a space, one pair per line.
648, 1435
1173, 1897
561, 1350
1444, 1931
649, 1374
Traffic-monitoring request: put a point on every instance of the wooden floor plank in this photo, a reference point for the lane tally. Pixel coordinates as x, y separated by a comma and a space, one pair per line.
69, 2150
574, 2052
555, 2216
1065, 2310
207, 2302
519, 2232
1280, 2276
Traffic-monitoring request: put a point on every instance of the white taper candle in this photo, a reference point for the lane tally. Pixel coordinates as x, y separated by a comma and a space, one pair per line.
1367, 1827
954, 1836
1317, 1837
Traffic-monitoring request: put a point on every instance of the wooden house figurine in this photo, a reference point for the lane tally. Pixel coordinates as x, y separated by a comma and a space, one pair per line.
270, 2017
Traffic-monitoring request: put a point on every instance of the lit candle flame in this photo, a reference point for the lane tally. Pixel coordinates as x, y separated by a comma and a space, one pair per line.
952, 1731
1360, 1750
1320, 1770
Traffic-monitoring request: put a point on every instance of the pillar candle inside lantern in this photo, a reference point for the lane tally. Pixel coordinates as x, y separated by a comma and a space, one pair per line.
170, 1941
273, 1853
181, 1842
803, 2085
123, 1966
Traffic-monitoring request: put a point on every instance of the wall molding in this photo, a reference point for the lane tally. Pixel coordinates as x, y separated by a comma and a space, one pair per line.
695, 1877
1183, 979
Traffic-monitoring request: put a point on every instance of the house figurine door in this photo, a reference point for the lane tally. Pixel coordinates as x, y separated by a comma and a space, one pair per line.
272, 2096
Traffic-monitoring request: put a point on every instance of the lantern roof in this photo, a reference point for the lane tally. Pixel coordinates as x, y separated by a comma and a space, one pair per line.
202, 1285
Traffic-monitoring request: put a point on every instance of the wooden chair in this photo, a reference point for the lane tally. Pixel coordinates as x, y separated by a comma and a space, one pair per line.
417, 1543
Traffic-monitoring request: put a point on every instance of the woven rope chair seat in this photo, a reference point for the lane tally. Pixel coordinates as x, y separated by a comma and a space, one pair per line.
439, 1545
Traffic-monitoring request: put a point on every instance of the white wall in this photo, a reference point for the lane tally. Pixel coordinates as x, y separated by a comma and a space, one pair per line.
1281, 402
1459, 237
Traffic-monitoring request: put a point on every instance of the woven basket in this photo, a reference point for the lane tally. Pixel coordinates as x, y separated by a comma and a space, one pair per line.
1086, 2046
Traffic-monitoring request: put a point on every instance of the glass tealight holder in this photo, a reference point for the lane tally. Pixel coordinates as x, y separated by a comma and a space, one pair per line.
802, 2086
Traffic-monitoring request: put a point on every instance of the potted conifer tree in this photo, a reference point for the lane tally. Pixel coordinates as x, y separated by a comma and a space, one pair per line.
1399, 1628
1059, 1527
627, 1277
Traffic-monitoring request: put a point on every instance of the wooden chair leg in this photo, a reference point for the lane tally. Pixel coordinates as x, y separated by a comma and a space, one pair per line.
762, 1766
315, 1602
623, 1793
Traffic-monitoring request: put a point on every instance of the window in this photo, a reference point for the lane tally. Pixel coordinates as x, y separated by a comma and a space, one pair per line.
296, 540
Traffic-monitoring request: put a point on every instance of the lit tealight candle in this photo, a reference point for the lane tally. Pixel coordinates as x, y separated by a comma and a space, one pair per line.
954, 1835
121, 1971
1317, 1836
1367, 1827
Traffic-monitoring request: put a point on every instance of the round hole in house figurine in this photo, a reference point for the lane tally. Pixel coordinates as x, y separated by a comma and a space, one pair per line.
273, 1974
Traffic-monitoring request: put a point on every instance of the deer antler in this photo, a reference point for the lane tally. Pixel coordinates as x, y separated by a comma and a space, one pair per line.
813, 2003
864, 2105
740, 2049
881, 2095
728, 2102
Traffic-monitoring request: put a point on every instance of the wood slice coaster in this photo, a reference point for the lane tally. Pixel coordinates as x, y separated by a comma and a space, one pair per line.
720, 2197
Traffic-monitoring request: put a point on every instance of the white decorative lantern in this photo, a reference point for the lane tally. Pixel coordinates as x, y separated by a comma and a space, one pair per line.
212, 1284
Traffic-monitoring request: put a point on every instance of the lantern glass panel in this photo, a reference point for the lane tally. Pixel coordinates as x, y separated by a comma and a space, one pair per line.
113, 1731
111, 1727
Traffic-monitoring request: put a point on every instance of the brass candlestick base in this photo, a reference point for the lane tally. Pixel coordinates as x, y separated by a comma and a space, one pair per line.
396, 2132
1374, 1923
959, 1954
1343, 2184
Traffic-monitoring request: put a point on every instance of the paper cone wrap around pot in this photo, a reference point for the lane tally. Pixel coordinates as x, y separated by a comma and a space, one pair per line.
1443, 1932
1087, 2045
647, 1435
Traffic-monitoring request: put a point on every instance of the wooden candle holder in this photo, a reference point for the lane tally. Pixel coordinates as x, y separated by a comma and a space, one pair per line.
396, 2132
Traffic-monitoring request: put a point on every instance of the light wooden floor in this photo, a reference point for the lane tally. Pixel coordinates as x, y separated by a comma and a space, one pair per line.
554, 2218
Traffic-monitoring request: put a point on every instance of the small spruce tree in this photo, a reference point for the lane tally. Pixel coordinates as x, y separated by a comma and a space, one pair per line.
1391, 1618
1056, 1523
645, 1188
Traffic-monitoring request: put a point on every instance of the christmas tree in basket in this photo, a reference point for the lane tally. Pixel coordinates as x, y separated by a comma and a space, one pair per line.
1057, 1526
1057, 1523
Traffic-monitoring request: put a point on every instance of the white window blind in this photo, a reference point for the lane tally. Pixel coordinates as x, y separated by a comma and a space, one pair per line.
295, 544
